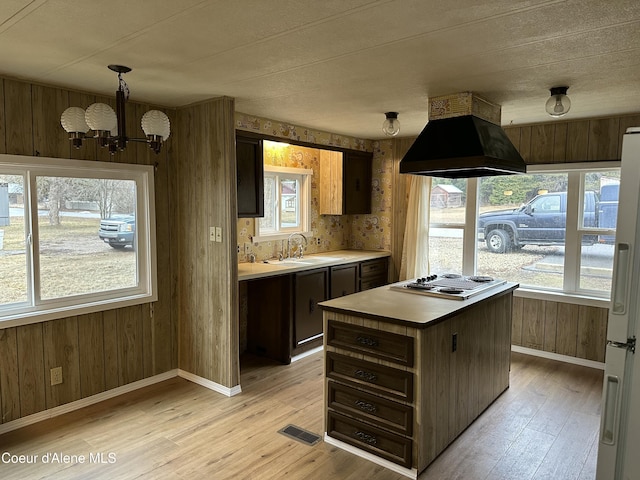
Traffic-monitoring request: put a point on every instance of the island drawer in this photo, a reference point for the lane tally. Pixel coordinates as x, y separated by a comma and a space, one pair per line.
390, 446
380, 411
375, 378
384, 345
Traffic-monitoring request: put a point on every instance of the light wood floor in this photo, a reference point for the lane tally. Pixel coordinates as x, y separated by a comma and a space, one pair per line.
544, 426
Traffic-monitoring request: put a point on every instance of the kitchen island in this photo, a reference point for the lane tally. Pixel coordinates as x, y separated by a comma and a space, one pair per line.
407, 373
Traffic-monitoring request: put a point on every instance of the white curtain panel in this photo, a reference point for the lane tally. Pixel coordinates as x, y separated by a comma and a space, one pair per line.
415, 251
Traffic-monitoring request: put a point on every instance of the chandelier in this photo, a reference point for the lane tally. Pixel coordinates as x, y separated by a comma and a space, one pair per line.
109, 127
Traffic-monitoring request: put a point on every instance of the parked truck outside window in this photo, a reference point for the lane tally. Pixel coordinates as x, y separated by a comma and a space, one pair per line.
118, 231
542, 221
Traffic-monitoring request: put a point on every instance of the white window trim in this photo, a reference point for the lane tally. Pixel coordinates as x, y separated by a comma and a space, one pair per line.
305, 206
145, 292
570, 292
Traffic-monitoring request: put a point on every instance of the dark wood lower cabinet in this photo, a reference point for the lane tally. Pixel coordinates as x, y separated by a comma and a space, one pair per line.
283, 317
310, 289
344, 280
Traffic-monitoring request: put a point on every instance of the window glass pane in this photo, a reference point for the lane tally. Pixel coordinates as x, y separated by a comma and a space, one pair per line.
87, 235
448, 200
13, 253
289, 202
596, 265
521, 228
445, 250
601, 199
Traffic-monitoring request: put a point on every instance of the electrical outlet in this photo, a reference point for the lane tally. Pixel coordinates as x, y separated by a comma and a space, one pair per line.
238, 248
318, 241
56, 376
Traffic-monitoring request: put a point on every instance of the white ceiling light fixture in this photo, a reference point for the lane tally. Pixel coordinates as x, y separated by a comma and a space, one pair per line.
109, 127
391, 126
558, 103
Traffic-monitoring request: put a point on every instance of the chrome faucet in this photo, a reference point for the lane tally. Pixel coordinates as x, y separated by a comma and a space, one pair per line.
301, 247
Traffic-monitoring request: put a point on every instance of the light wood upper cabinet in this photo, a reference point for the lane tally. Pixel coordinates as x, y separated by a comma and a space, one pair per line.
345, 183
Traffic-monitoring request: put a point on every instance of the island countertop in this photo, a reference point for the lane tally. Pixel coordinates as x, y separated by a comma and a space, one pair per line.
420, 311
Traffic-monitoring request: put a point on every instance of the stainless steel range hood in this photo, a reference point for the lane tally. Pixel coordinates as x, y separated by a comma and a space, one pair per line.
463, 139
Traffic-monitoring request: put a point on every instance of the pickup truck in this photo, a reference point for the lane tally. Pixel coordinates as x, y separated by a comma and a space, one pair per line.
118, 231
542, 221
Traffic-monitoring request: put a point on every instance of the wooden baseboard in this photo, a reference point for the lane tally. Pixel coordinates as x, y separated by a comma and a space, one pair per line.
85, 402
407, 472
556, 356
216, 387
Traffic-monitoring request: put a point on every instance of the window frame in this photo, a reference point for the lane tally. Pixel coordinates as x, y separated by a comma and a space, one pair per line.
37, 310
570, 291
305, 205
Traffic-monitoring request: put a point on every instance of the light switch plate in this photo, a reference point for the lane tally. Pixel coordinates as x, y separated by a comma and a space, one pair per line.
219, 234
212, 234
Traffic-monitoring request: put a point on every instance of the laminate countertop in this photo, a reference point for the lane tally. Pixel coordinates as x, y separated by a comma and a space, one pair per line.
419, 311
251, 271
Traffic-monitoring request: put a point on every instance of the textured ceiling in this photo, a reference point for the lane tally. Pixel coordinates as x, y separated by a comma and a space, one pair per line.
335, 65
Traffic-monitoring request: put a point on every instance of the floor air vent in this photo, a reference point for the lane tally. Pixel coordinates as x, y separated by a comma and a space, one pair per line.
300, 435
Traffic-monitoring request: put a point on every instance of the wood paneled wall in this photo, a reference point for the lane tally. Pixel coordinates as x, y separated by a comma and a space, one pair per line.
587, 140
208, 275
573, 330
102, 350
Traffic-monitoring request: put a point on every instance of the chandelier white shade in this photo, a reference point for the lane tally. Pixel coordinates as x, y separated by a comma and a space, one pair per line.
73, 120
156, 124
109, 126
101, 117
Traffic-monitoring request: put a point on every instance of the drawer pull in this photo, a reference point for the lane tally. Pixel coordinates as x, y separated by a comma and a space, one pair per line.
365, 437
366, 376
366, 406
369, 342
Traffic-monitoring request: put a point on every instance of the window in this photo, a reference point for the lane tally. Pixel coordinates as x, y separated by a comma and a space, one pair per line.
287, 202
550, 230
75, 236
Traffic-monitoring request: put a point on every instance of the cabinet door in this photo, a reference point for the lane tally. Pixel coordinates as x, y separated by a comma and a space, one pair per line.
344, 280
357, 183
311, 288
250, 170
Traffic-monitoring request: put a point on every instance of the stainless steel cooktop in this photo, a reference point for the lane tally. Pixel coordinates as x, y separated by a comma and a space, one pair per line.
448, 285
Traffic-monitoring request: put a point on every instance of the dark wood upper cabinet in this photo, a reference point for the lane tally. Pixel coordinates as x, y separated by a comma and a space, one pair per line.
250, 176
345, 182
357, 182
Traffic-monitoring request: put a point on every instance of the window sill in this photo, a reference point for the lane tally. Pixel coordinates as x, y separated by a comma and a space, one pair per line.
27, 318
562, 297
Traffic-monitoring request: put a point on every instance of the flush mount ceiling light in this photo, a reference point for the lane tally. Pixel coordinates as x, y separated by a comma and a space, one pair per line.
391, 126
109, 127
558, 104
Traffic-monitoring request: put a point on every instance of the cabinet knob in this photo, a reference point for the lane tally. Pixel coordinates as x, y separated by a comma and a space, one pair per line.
366, 406
367, 438
366, 376
369, 342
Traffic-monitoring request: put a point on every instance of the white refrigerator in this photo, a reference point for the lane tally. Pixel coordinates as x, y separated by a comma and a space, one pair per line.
619, 446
